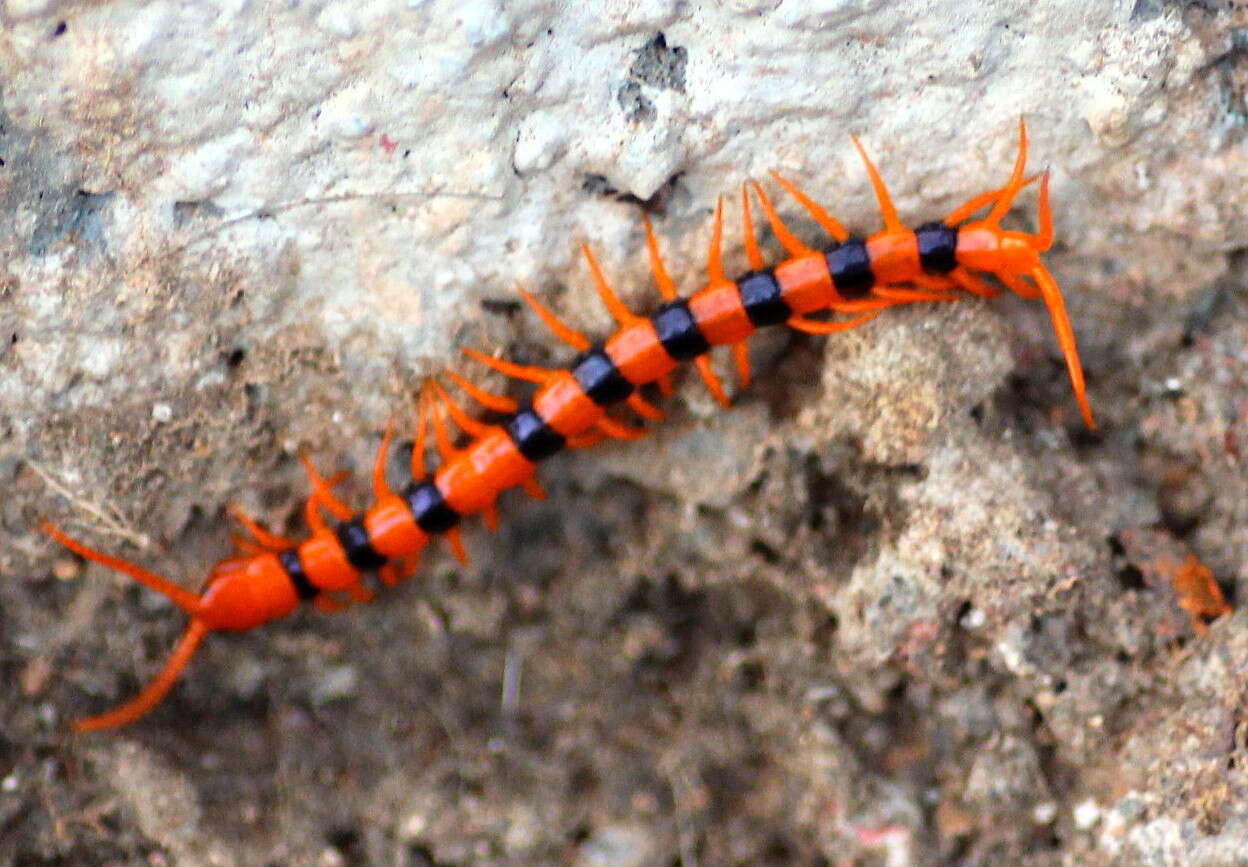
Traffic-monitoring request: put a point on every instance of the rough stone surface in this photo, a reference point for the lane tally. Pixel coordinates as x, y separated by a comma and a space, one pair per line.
886, 611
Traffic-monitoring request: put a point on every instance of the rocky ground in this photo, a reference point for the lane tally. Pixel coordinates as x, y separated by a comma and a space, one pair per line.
896, 607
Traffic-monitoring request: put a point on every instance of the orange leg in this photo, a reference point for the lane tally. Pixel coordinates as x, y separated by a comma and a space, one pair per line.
667, 288
322, 494
752, 254
1044, 238
380, 488
714, 265
442, 439
568, 335
972, 283
741, 354
621, 314
467, 423
887, 210
973, 204
787, 239
1017, 285
645, 408
817, 213
263, 539
618, 431
713, 385
538, 375
328, 603
493, 402
455, 540
586, 440
909, 296
813, 326
423, 408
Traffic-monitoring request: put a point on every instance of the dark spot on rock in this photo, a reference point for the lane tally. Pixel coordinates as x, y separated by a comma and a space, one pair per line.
500, 306
597, 185
637, 108
659, 65
1131, 578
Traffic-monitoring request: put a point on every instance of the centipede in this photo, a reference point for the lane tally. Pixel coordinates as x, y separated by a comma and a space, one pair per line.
819, 291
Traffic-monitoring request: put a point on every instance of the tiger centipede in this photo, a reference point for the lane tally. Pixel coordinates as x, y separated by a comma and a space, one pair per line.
853, 277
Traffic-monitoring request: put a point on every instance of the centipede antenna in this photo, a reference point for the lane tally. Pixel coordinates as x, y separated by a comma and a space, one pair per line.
1065, 339
1016, 179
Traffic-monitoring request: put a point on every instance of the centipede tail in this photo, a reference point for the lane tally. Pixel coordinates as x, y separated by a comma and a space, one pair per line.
813, 290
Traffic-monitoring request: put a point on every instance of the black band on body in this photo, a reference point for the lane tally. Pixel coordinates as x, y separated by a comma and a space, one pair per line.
533, 437
678, 332
599, 378
762, 299
428, 507
304, 588
850, 267
359, 551
938, 247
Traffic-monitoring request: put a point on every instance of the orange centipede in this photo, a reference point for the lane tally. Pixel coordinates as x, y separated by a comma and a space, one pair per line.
851, 280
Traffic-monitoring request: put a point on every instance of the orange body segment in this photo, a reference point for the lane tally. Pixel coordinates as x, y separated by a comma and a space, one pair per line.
894, 256
496, 458
325, 563
720, 316
392, 531
805, 283
565, 407
636, 352
465, 489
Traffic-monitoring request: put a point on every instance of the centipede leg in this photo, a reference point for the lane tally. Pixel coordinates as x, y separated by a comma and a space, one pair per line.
888, 210
972, 284
711, 381
493, 402
455, 540
260, 537
667, 288
826, 222
644, 408
787, 239
1017, 285
812, 326
621, 314
560, 329
741, 355
322, 493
